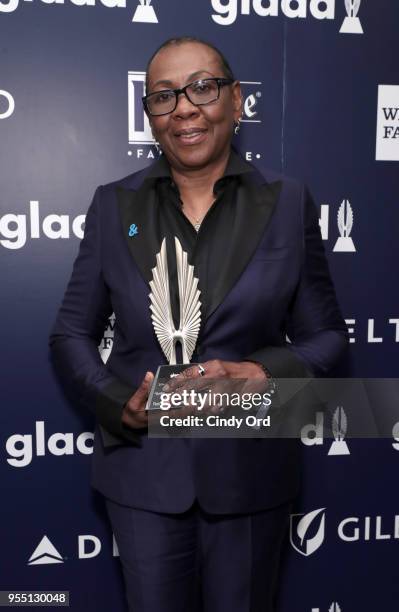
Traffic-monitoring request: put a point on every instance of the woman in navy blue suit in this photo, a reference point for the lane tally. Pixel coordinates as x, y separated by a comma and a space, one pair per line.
199, 523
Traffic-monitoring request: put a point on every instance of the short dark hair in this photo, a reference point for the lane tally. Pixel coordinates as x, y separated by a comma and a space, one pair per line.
180, 40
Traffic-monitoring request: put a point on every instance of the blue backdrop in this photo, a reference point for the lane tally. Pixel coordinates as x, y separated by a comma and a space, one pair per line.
321, 88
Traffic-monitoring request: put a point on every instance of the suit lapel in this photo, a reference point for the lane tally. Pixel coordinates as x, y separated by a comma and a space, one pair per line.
255, 204
139, 208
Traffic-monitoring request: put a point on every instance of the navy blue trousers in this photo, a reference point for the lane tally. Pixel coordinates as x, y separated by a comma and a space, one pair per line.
199, 562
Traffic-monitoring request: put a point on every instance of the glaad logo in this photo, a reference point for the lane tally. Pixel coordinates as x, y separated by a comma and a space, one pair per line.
344, 243
52, 226
8, 6
45, 553
387, 143
351, 24
303, 524
339, 429
20, 446
10, 103
89, 546
313, 433
145, 13
227, 11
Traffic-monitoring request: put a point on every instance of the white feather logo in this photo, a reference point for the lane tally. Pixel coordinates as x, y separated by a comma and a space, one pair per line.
339, 424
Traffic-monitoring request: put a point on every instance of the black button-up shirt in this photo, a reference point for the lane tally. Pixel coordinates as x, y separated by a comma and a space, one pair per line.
206, 248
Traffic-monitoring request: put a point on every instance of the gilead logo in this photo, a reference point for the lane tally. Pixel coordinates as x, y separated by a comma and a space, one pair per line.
22, 447
15, 229
226, 12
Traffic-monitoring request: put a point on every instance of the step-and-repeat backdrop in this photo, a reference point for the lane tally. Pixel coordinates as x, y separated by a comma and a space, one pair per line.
320, 82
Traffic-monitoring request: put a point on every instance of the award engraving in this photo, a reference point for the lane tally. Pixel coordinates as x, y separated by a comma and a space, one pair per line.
351, 23
344, 243
145, 13
161, 314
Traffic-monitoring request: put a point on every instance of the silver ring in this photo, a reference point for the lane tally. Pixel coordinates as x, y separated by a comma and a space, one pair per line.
201, 370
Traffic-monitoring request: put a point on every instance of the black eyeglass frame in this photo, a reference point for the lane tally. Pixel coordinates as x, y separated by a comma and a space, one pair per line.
221, 81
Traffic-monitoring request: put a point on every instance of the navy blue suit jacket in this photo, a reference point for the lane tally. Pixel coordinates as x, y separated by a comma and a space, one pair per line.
276, 283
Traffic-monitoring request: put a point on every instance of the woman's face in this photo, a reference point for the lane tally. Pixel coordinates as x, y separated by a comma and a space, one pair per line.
210, 126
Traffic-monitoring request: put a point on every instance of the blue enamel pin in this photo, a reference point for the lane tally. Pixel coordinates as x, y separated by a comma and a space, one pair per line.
133, 230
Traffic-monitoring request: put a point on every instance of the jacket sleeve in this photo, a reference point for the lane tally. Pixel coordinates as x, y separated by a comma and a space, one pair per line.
78, 330
317, 332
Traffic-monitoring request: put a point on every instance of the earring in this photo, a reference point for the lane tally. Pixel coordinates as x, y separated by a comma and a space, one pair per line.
237, 127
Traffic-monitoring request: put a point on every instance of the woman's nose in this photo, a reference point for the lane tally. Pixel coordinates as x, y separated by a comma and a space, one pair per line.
184, 106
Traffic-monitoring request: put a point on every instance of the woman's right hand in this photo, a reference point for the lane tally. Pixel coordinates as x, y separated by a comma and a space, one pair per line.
134, 414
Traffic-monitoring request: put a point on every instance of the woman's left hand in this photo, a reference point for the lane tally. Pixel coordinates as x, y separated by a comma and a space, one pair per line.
217, 376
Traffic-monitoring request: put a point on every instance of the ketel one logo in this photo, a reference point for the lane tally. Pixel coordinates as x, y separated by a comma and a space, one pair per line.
145, 13
307, 531
313, 434
45, 553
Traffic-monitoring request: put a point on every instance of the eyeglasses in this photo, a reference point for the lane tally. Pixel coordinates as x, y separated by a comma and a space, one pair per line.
198, 93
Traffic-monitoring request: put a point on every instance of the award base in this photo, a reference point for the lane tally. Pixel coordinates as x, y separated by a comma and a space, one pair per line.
163, 376
351, 25
145, 14
344, 244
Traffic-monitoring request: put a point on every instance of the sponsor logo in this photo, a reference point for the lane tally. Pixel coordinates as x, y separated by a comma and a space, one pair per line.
88, 547
307, 531
139, 126
45, 553
372, 334
145, 13
335, 607
312, 434
15, 228
395, 435
252, 94
351, 23
7, 103
344, 243
107, 340
226, 12
139, 130
9, 6
387, 142
21, 448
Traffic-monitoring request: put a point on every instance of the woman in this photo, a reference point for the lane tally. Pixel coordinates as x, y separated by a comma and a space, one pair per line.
199, 522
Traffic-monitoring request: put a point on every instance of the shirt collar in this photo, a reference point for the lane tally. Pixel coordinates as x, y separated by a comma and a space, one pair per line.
236, 165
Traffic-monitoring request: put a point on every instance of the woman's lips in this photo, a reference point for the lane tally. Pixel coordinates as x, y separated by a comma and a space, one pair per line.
191, 136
